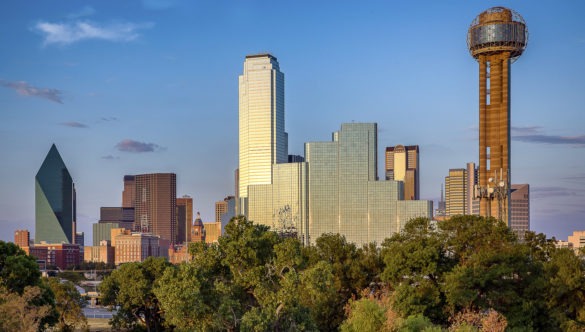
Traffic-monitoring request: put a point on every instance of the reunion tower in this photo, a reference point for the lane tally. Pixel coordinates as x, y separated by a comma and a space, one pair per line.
496, 38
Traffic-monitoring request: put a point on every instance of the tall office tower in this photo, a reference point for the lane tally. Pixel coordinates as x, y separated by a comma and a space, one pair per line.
343, 194
456, 192
129, 193
520, 209
402, 164
156, 205
496, 38
472, 203
54, 201
184, 219
262, 139
22, 238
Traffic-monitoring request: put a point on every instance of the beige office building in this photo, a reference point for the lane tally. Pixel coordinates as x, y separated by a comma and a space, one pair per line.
136, 247
402, 164
262, 139
456, 192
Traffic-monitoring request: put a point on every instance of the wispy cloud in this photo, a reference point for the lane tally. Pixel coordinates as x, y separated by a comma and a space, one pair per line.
547, 192
74, 124
68, 33
129, 145
552, 139
83, 12
26, 89
527, 130
110, 157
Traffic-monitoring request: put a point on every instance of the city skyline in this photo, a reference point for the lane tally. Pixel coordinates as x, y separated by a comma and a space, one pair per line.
154, 89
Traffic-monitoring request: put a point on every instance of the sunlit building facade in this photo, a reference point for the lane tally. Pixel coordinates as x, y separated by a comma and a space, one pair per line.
55, 204
344, 195
283, 204
402, 164
262, 139
456, 192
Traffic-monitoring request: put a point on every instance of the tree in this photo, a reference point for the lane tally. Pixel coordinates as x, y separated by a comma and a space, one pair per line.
364, 315
17, 269
69, 305
187, 298
566, 289
416, 261
130, 288
494, 271
20, 312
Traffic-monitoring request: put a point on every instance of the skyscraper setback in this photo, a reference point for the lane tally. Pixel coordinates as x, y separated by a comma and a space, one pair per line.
55, 203
262, 139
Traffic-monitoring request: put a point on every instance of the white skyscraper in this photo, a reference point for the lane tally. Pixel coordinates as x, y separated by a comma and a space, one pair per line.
262, 139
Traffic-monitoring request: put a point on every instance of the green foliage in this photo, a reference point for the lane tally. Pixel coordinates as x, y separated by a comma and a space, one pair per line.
365, 315
566, 292
416, 261
69, 304
131, 288
17, 269
417, 323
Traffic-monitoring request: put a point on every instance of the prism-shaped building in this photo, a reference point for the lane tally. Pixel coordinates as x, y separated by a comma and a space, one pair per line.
55, 203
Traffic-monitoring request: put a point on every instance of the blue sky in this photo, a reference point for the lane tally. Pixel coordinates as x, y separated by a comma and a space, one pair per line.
130, 87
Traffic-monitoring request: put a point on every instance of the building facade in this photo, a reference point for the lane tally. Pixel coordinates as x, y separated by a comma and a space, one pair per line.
520, 209
155, 209
262, 137
55, 202
136, 247
22, 238
335, 191
184, 219
402, 164
456, 192
129, 193
344, 195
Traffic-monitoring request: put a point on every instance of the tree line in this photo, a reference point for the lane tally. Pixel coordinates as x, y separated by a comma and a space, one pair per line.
468, 273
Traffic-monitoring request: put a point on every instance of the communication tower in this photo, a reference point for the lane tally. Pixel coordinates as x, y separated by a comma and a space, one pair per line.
496, 38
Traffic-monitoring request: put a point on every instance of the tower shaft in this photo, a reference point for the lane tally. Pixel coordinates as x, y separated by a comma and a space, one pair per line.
494, 133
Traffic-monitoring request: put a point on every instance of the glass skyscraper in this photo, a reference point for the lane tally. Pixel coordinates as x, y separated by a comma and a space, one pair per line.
55, 210
344, 194
336, 190
262, 139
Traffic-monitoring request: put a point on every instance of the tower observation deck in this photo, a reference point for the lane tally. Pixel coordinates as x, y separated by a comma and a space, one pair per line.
496, 38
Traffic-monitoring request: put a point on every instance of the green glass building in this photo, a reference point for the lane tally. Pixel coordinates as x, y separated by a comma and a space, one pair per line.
55, 208
336, 190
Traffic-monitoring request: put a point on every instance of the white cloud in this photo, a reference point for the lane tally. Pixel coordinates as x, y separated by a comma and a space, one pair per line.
68, 33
